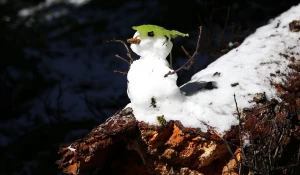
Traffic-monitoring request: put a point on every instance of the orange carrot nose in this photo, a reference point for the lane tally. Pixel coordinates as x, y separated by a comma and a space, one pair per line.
133, 41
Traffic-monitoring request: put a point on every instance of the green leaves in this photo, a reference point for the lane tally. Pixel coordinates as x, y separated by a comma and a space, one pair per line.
158, 31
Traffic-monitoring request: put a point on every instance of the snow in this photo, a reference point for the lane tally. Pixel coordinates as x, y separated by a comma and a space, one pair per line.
71, 149
31, 10
244, 71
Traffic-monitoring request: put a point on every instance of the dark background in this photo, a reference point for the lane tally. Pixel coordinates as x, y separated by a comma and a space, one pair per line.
56, 74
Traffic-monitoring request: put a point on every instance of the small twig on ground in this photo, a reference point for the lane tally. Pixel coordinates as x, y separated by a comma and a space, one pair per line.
240, 133
270, 166
135, 146
228, 147
191, 60
127, 49
278, 143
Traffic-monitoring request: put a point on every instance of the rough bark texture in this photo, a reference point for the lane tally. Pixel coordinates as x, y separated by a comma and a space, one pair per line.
123, 145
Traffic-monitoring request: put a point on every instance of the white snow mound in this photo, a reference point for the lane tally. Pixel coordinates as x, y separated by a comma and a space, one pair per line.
244, 71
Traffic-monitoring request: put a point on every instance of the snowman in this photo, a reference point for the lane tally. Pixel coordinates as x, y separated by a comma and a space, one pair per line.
149, 90
156, 98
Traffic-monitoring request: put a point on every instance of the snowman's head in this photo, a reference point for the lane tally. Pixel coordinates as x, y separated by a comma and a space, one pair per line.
153, 41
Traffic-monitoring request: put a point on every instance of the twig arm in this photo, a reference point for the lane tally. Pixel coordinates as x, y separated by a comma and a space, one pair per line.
121, 58
126, 47
191, 59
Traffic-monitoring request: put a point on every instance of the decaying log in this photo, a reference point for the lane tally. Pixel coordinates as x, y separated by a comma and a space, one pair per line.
101, 145
122, 145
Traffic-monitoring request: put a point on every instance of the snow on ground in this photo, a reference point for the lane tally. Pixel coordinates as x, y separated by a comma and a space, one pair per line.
244, 71
31, 10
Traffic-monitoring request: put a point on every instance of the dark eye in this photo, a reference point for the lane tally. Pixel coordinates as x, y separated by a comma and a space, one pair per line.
151, 34
167, 37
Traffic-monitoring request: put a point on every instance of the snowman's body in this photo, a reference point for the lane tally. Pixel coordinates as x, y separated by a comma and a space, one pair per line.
148, 89
146, 82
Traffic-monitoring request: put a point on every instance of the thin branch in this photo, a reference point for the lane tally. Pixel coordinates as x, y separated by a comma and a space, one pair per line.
298, 157
46, 101
123, 73
286, 167
92, 107
198, 41
126, 47
191, 60
210, 22
225, 25
278, 143
270, 167
58, 99
240, 128
123, 59
228, 147
134, 145
254, 159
